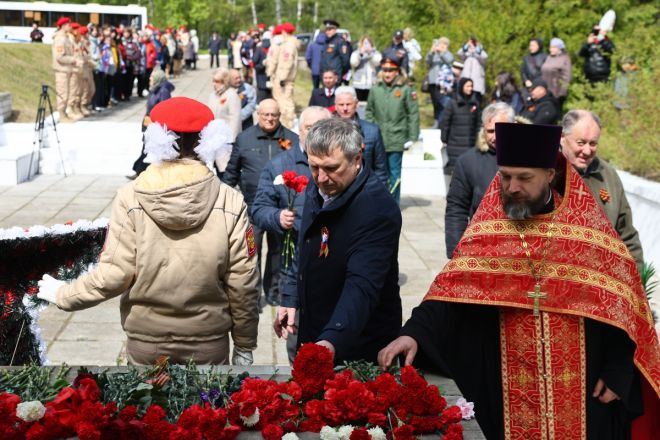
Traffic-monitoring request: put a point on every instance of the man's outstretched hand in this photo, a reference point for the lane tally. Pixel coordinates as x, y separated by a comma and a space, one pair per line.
402, 345
285, 322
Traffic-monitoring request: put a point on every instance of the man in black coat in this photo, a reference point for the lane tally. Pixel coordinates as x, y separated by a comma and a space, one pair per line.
473, 173
252, 150
397, 50
543, 108
346, 270
325, 96
597, 53
336, 51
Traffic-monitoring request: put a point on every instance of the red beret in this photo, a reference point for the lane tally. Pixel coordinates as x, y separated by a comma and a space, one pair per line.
183, 115
75, 25
261, 26
288, 28
62, 21
83, 30
277, 30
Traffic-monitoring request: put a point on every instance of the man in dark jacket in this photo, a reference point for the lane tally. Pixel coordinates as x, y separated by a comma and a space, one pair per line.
252, 150
325, 96
347, 271
259, 60
313, 56
542, 108
373, 154
597, 52
270, 210
397, 50
336, 52
214, 49
473, 173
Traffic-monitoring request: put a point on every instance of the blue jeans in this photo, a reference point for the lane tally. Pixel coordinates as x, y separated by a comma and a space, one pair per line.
394, 160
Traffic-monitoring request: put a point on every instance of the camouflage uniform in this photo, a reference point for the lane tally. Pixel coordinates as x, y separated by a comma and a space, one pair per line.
63, 63
281, 67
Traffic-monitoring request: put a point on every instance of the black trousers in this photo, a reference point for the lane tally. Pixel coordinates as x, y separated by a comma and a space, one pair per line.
217, 59
362, 94
269, 279
100, 82
316, 81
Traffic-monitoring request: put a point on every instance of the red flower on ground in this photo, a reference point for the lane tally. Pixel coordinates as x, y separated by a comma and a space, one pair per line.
272, 432
312, 366
360, 434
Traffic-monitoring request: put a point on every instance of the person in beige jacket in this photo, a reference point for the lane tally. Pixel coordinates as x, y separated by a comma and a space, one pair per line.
63, 63
281, 67
179, 250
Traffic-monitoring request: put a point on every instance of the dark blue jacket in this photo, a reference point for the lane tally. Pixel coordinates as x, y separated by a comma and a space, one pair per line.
374, 150
351, 297
336, 56
159, 94
314, 53
252, 150
271, 199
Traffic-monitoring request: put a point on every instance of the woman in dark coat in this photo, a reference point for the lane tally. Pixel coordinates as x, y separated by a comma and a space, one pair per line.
531, 65
160, 89
460, 123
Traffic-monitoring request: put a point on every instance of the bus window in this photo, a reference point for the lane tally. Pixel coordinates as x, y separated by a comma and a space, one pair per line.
83, 18
54, 16
10, 18
95, 18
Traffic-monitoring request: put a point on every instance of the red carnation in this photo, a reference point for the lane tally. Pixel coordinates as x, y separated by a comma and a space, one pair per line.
288, 177
128, 413
378, 419
312, 366
300, 183
272, 432
452, 414
88, 390
360, 434
37, 432
404, 432
87, 431
453, 432
9, 402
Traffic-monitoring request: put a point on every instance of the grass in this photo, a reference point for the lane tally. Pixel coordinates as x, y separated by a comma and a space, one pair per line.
24, 68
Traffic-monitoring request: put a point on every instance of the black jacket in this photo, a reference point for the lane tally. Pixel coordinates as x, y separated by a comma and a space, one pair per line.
374, 155
543, 111
319, 98
597, 63
259, 58
460, 125
473, 173
531, 66
252, 151
336, 56
215, 45
351, 297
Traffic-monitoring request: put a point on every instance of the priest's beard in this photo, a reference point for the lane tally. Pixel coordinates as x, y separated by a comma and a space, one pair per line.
523, 209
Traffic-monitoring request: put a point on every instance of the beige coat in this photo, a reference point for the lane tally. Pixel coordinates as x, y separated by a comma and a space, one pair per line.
62, 50
228, 108
177, 252
282, 61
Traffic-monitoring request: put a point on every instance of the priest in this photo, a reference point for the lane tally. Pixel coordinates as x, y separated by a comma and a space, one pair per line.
540, 317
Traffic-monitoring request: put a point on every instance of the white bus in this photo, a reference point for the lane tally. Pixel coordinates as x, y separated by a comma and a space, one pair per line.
16, 18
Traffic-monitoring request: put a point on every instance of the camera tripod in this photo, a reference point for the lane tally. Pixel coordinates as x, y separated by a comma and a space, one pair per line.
39, 127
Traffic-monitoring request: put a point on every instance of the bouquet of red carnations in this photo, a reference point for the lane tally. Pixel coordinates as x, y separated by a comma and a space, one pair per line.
295, 184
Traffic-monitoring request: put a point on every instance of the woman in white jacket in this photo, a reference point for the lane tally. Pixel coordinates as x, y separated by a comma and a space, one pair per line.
364, 62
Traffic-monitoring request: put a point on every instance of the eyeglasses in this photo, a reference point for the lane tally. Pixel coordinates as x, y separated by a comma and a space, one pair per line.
269, 115
388, 69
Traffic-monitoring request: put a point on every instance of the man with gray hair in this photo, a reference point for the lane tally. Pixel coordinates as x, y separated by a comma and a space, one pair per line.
473, 173
346, 269
579, 143
270, 210
373, 152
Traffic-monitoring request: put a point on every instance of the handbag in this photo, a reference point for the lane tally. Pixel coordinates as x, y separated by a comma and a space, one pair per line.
425, 85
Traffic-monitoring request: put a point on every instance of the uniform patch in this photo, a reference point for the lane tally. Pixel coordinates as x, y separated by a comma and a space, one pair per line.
286, 56
250, 241
222, 101
344, 49
59, 49
604, 195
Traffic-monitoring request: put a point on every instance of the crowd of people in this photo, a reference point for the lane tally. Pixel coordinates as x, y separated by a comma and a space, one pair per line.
542, 290
97, 67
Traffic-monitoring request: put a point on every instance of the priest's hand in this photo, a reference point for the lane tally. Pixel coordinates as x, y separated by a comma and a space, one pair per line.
402, 345
48, 288
604, 394
285, 322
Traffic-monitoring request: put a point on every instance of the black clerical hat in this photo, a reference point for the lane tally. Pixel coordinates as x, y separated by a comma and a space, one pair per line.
527, 145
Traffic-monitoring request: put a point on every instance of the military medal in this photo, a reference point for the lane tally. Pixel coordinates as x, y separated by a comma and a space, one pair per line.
325, 235
604, 195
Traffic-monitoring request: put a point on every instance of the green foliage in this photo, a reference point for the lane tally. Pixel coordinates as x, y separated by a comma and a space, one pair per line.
33, 382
